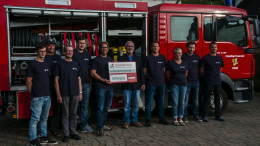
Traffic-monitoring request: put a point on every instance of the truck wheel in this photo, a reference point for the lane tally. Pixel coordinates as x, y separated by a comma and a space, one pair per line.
223, 102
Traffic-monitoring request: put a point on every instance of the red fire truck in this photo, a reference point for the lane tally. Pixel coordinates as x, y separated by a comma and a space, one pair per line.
27, 22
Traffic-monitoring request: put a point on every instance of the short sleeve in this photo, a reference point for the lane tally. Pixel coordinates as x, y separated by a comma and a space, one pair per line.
29, 71
94, 64
203, 61
56, 70
145, 62
164, 61
222, 62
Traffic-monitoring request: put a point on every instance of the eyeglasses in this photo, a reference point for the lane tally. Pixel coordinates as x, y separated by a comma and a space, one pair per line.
42, 51
130, 46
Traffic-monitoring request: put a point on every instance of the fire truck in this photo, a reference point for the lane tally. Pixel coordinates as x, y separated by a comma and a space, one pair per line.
25, 23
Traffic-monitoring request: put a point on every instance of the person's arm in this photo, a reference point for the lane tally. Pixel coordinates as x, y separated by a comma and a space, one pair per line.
164, 69
29, 84
202, 70
80, 88
96, 76
57, 88
168, 75
145, 71
141, 70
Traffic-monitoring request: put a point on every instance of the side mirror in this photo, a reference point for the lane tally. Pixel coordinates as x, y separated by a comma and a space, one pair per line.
229, 18
257, 40
256, 27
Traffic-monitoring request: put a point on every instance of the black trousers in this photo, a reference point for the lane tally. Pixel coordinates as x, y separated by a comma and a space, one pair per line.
56, 115
216, 89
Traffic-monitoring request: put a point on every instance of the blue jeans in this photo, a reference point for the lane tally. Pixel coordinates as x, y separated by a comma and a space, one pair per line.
178, 96
104, 101
193, 92
131, 96
40, 107
84, 105
150, 90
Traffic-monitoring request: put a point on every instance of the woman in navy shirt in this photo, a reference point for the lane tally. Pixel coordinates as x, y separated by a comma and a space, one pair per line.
177, 71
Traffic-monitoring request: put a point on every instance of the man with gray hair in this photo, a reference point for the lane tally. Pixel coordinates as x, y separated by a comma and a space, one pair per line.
131, 91
67, 83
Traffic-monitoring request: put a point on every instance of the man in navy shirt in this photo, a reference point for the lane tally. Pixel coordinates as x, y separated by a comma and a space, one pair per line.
193, 84
83, 58
67, 83
211, 66
131, 91
103, 87
154, 70
52, 58
38, 84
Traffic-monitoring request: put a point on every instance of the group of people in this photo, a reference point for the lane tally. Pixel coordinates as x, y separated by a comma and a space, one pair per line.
66, 84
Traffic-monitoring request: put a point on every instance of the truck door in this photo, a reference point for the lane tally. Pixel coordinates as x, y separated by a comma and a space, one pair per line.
181, 29
232, 40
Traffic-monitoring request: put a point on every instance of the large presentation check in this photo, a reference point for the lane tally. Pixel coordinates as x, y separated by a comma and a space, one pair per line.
122, 72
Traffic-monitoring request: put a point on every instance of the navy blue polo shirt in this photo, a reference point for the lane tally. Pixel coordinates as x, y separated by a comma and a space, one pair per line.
212, 66
100, 64
52, 60
193, 67
40, 73
155, 73
178, 72
83, 60
68, 72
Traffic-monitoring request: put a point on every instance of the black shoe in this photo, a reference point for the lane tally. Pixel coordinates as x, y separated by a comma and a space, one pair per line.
100, 132
219, 119
197, 119
205, 119
164, 122
46, 140
35, 142
75, 136
65, 139
147, 123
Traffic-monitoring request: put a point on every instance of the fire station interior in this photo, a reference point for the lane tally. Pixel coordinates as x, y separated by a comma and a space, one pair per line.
27, 30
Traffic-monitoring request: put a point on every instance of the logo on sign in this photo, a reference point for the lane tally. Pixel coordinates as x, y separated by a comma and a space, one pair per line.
235, 61
112, 66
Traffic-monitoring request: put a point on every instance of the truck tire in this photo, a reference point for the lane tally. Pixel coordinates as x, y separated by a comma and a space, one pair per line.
223, 102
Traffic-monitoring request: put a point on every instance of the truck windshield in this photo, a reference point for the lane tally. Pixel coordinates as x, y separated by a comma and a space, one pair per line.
234, 32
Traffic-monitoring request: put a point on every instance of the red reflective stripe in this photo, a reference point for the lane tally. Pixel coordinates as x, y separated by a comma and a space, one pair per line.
80, 34
65, 38
96, 44
73, 40
89, 43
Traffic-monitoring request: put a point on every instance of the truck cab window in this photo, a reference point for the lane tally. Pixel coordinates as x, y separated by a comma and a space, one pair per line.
184, 28
234, 32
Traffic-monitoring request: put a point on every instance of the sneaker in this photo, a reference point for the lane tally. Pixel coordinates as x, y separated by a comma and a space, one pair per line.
107, 128
181, 123
176, 123
138, 124
65, 139
35, 142
100, 132
205, 119
126, 125
164, 122
87, 129
197, 119
75, 136
147, 123
56, 134
185, 119
46, 140
220, 119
